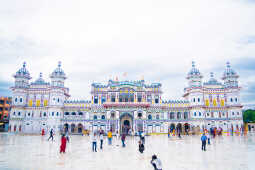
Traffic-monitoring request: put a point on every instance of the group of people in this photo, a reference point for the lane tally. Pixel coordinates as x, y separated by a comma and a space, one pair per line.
156, 163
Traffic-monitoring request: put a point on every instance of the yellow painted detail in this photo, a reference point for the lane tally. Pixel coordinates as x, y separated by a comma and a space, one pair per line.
214, 102
45, 102
222, 102
30, 103
207, 102
38, 102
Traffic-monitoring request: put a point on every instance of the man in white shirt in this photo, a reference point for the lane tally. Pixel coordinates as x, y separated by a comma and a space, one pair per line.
94, 142
156, 163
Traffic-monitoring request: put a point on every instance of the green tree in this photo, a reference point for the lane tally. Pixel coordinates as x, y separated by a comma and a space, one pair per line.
249, 116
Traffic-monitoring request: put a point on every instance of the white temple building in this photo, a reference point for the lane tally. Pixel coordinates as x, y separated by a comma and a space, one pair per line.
123, 105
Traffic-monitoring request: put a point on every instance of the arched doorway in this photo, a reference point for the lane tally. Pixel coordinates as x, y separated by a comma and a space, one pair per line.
186, 128
66, 127
172, 127
80, 127
72, 128
126, 122
179, 128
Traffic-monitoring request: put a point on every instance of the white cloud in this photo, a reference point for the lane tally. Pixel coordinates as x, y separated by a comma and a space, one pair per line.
96, 39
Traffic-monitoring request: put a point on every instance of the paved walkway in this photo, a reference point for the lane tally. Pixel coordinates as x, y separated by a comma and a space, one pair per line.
36, 153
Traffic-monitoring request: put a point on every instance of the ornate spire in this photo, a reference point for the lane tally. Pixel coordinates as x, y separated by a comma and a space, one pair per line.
211, 75
23, 72
59, 64
193, 64
58, 72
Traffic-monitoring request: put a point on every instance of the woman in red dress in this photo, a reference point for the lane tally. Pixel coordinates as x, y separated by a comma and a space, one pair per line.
63, 144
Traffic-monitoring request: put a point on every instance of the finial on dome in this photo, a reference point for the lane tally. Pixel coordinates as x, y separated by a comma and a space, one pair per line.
59, 64
211, 74
40, 74
24, 64
228, 64
193, 63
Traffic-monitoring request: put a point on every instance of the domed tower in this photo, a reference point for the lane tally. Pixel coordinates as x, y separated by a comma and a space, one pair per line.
58, 94
58, 91
19, 91
194, 92
194, 77
58, 76
22, 77
230, 77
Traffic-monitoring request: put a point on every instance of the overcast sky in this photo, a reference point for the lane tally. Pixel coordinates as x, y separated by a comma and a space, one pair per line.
99, 39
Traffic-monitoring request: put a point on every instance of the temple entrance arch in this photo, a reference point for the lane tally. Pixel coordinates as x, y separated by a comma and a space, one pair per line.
126, 123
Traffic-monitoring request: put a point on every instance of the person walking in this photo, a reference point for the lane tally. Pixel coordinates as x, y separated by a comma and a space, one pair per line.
156, 163
51, 135
141, 147
63, 144
109, 135
203, 139
43, 132
117, 135
101, 136
94, 142
143, 137
123, 138
67, 136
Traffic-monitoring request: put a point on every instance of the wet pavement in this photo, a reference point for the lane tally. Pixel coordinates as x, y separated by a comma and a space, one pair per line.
18, 152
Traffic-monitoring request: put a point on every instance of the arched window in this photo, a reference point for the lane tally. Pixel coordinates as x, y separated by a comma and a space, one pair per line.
112, 115
20, 100
179, 115
58, 100
231, 99
80, 113
195, 114
66, 113
185, 115
44, 114
194, 100
199, 113
172, 115
57, 113
14, 113
28, 114
198, 99
149, 117
157, 117
103, 117
233, 113
16, 99
73, 113
140, 115
95, 117
236, 99
52, 113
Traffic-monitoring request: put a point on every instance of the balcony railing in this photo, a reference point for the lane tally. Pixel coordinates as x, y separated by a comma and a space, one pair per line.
124, 104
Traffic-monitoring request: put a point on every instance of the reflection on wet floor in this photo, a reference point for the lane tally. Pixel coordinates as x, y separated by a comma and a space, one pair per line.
36, 153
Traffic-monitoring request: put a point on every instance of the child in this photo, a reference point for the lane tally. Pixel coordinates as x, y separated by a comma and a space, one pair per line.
141, 147
156, 163
63, 144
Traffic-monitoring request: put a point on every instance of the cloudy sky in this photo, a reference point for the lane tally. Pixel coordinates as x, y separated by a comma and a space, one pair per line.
99, 39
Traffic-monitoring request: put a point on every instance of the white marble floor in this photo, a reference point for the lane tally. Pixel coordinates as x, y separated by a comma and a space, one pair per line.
19, 152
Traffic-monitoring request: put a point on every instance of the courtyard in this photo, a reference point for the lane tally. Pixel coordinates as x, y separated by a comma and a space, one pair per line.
27, 152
